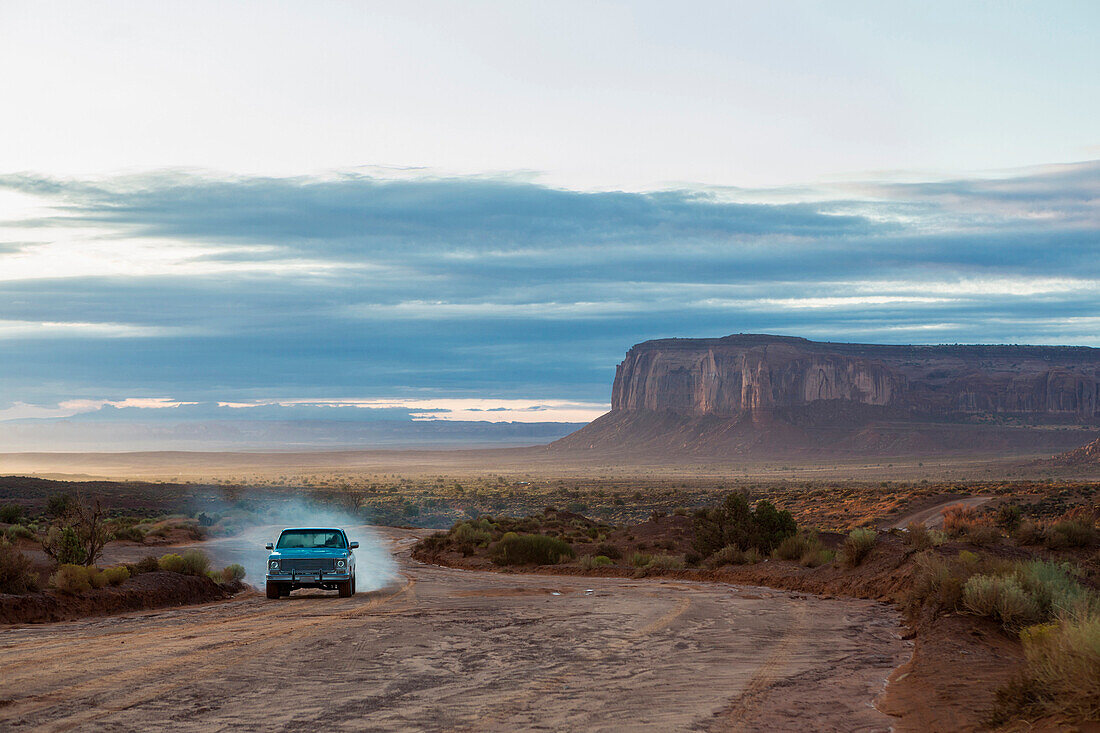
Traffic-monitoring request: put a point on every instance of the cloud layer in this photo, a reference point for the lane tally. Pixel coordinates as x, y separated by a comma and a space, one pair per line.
218, 288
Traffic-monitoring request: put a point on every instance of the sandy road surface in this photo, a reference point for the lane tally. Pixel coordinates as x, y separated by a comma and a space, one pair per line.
443, 649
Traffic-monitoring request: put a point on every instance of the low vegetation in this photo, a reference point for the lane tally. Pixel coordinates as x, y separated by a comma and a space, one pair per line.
530, 549
191, 562
857, 547
734, 522
16, 573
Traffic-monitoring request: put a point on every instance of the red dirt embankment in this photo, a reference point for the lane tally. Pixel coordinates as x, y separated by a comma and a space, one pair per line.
142, 592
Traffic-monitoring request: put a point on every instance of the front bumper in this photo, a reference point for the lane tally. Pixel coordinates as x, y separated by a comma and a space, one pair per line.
309, 577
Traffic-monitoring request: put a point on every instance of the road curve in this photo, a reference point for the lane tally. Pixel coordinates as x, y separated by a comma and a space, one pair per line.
445, 649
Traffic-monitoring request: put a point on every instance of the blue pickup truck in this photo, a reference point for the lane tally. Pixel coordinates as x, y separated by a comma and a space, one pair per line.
311, 557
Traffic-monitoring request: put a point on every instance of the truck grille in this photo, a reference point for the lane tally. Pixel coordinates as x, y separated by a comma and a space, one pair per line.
306, 565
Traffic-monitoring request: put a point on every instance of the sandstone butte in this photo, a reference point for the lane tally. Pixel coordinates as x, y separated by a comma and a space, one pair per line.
778, 395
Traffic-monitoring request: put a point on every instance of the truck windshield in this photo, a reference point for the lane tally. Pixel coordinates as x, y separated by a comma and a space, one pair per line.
310, 538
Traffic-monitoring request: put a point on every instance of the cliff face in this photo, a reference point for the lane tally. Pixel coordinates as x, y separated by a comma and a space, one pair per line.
748, 374
772, 395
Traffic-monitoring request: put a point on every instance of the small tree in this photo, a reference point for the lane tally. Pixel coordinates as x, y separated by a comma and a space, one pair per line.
77, 536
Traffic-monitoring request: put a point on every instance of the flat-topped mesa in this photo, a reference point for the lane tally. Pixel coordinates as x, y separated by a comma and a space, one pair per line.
750, 374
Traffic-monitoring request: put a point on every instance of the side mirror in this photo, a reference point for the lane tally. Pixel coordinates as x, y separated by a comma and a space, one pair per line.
354, 545
269, 546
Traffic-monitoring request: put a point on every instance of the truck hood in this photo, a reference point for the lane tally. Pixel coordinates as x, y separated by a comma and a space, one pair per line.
309, 552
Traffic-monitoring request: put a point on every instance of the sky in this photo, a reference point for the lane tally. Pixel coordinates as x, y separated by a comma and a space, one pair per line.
472, 210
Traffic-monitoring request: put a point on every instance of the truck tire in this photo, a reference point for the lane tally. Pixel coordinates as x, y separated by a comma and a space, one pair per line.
284, 589
353, 585
344, 588
272, 590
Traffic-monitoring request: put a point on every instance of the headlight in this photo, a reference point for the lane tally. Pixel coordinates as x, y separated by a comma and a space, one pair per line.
339, 563
274, 564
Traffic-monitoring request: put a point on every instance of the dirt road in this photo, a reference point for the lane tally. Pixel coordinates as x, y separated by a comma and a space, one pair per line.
932, 516
444, 649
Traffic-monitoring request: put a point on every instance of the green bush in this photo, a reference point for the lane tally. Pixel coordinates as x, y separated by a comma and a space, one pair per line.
804, 547
97, 578
1069, 533
735, 522
10, 513
1063, 668
71, 579
195, 562
530, 549
172, 563
18, 532
589, 562
469, 535
857, 546
129, 534
116, 575
731, 555
1001, 598
16, 573
234, 572
641, 559
666, 562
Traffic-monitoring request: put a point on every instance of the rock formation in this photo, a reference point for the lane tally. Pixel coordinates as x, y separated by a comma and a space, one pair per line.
773, 393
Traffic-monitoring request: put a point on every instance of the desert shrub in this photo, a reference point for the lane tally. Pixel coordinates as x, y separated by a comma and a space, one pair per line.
735, 522
666, 562
857, 546
58, 504
1009, 517
958, 519
1056, 589
467, 536
1063, 667
1028, 533
917, 536
1002, 598
172, 563
71, 579
937, 537
816, 557
609, 550
530, 549
640, 559
938, 581
1069, 533
231, 573
129, 534
16, 573
983, 535
18, 532
195, 562
97, 578
116, 575
799, 545
147, 564
732, 555
594, 561
78, 534
10, 513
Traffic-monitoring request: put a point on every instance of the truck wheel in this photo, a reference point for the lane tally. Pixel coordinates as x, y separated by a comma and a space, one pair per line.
273, 590
353, 585
284, 589
344, 587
